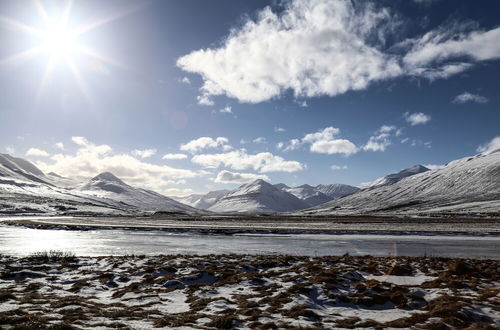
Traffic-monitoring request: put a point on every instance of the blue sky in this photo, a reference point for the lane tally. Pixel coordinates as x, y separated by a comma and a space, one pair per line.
294, 91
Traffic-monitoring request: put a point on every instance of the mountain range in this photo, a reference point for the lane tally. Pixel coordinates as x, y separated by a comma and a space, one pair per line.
469, 185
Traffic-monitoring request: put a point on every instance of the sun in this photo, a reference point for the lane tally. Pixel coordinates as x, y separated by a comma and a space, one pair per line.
59, 39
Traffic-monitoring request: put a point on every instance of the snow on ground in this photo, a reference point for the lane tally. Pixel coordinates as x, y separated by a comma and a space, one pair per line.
244, 291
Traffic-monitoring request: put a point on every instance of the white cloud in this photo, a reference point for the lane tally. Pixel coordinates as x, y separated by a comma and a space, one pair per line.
434, 166
293, 144
279, 129
204, 100
260, 140
469, 97
146, 153
325, 134
10, 150
185, 80
382, 138
59, 145
201, 143
337, 146
239, 160
416, 118
174, 156
452, 42
323, 141
490, 147
338, 167
329, 47
313, 48
37, 152
90, 160
226, 109
234, 177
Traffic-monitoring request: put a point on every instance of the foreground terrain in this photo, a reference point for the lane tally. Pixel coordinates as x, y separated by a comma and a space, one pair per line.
244, 291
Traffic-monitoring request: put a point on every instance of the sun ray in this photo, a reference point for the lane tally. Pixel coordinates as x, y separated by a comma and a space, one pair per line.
20, 26
92, 53
46, 77
67, 13
22, 56
79, 80
105, 20
43, 13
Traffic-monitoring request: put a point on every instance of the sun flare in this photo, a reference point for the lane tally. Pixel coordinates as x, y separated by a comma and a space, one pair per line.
59, 41
58, 38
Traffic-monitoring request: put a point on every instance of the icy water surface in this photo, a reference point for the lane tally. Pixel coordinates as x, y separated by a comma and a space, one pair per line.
22, 241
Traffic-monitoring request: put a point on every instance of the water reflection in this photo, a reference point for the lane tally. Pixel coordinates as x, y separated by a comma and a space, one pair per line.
24, 241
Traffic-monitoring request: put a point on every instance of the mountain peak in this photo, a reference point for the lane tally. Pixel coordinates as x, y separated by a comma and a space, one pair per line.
107, 176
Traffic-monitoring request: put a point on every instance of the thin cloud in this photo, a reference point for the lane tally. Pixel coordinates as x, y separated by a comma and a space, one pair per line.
174, 156
338, 167
469, 97
37, 152
205, 142
417, 118
146, 153
240, 160
492, 146
235, 177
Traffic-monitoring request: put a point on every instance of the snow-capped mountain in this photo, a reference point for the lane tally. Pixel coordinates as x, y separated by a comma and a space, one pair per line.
203, 201
107, 185
258, 197
336, 190
20, 169
320, 194
308, 194
466, 185
26, 189
395, 177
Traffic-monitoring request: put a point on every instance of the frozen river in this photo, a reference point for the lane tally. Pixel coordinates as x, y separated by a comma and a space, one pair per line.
15, 240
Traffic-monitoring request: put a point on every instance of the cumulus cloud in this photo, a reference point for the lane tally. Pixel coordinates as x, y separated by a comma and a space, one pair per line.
318, 47
323, 141
416, 118
90, 160
338, 167
174, 156
329, 47
59, 145
469, 97
37, 152
146, 153
337, 146
235, 177
201, 143
487, 148
240, 160
382, 138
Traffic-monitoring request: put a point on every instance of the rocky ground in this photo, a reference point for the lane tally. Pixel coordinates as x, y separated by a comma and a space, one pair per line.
60, 291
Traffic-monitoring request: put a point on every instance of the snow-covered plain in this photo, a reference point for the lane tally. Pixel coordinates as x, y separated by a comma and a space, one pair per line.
247, 292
